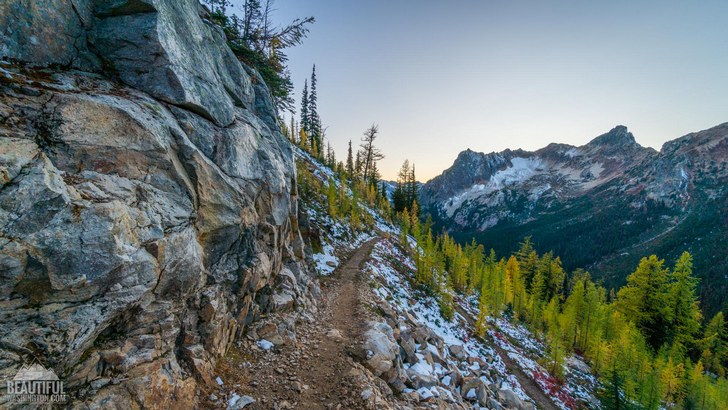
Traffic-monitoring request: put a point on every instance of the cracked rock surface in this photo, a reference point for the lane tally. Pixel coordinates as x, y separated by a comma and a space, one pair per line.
143, 225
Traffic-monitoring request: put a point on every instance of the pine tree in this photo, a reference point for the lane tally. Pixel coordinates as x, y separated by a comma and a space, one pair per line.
303, 140
611, 394
480, 324
512, 283
528, 261
412, 196
399, 196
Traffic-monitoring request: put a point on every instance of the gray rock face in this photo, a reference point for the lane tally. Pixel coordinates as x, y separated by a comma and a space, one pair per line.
138, 236
46, 32
163, 48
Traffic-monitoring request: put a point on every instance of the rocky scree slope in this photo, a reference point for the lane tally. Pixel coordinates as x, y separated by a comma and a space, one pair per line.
148, 207
601, 206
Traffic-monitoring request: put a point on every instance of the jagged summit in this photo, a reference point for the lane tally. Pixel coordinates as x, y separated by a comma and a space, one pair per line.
634, 196
617, 136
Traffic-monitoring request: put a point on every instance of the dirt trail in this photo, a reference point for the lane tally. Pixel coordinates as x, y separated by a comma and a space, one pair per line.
532, 389
343, 313
313, 373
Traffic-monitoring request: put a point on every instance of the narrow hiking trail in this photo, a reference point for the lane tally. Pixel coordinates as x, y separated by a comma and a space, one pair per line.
316, 372
343, 311
532, 389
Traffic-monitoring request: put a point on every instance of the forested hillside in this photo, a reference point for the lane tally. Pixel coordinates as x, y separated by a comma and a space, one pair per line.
602, 206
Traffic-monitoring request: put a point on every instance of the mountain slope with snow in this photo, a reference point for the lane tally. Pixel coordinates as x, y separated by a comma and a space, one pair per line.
601, 206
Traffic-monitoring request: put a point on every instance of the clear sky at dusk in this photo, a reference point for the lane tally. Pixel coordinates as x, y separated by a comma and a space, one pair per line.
442, 76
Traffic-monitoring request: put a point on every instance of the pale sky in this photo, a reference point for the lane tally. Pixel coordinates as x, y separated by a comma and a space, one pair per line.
442, 76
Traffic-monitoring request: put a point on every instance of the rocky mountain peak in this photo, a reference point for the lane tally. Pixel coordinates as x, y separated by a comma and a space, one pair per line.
618, 136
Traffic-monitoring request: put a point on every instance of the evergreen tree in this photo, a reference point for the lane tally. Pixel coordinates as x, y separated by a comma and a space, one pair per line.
412, 195
399, 196
350, 163
259, 43
528, 261
314, 119
332, 197
305, 117
303, 140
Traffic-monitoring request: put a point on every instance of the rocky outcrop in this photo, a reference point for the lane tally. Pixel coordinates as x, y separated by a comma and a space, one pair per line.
147, 210
185, 62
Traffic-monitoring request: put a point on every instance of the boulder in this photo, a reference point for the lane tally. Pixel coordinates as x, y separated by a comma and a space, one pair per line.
380, 350
510, 400
474, 389
408, 348
458, 352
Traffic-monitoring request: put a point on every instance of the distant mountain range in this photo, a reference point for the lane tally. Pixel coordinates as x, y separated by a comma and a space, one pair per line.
601, 206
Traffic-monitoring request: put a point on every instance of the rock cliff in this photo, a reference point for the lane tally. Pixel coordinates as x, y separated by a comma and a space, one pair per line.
148, 207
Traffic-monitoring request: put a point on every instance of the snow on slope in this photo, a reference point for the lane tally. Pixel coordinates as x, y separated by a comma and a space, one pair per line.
395, 288
521, 169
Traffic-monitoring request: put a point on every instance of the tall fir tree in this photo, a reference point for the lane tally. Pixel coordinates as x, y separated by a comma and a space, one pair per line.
314, 119
305, 118
350, 163
412, 187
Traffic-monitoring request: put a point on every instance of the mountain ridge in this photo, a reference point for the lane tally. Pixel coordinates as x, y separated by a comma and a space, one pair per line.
640, 196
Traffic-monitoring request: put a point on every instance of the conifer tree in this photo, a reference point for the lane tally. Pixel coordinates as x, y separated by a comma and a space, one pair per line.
412, 195
528, 261
611, 394
512, 283
645, 300
314, 119
331, 197
370, 154
715, 345
684, 307
480, 324
303, 140
305, 117
350, 163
